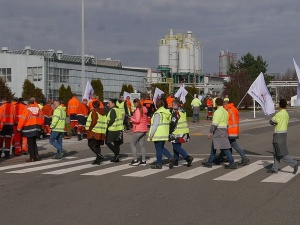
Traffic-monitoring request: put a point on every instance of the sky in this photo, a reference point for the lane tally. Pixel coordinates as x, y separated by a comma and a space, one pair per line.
129, 30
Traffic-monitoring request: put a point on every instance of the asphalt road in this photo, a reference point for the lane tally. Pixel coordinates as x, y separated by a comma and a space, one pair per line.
72, 191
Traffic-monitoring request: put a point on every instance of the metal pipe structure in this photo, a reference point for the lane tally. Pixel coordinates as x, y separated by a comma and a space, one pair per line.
82, 53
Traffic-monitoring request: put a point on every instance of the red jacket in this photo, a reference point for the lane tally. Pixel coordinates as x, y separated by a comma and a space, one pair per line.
139, 122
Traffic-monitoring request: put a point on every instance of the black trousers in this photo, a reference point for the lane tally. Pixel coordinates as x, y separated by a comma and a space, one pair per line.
94, 145
32, 147
114, 147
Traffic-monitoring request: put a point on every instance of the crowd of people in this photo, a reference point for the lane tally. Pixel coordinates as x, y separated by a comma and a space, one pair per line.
165, 120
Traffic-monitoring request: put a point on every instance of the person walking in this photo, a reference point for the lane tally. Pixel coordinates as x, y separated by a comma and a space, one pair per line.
149, 104
72, 109
30, 123
209, 105
233, 133
218, 130
114, 135
82, 114
57, 129
280, 151
96, 126
196, 103
179, 133
18, 110
48, 112
159, 134
6, 126
139, 129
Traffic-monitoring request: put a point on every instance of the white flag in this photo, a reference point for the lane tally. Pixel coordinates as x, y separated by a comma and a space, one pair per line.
260, 93
157, 94
298, 75
183, 94
89, 91
178, 93
126, 94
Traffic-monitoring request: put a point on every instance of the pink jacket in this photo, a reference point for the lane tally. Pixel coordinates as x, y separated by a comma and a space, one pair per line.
139, 121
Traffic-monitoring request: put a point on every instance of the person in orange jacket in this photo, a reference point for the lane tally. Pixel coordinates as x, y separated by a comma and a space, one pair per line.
209, 105
129, 105
82, 114
18, 110
6, 126
95, 98
30, 124
72, 113
48, 112
170, 100
13, 102
149, 104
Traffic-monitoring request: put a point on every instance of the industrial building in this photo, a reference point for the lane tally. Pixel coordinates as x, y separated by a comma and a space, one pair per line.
226, 59
180, 60
48, 70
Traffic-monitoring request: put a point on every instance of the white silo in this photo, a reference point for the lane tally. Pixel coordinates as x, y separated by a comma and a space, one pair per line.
173, 52
224, 62
198, 58
189, 40
184, 58
163, 53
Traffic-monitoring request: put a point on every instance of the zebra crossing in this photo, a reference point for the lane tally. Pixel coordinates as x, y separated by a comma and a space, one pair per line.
72, 164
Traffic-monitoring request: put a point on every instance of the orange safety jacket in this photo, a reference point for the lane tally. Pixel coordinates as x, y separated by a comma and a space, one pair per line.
170, 101
18, 109
128, 103
91, 104
82, 110
31, 121
73, 105
233, 121
47, 110
6, 115
209, 103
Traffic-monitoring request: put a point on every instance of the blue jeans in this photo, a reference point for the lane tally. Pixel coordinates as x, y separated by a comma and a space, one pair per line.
195, 117
177, 149
160, 150
56, 140
223, 151
239, 150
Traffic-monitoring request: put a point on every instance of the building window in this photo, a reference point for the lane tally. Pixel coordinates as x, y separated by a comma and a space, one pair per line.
35, 73
5, 74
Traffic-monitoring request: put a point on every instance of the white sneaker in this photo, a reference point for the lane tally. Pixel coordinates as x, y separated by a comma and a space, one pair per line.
143, 163
134, 163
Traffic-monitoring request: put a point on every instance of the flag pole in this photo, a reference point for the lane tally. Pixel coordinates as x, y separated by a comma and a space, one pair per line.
82, 51
242, 100
253, 108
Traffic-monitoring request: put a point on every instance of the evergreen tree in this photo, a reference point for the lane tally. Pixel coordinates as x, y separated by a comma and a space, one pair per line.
130, 88
28, 90
38, 94
124, 88
61, 92
98, 88
5, 91
68, 95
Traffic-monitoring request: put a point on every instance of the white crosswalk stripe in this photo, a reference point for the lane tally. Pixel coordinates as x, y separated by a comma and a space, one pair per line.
112, 169
283, 176
106, 167
52, 166
148, 172
77, 168
244, 171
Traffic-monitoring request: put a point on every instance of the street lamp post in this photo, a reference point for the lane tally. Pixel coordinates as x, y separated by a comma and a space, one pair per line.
82, 53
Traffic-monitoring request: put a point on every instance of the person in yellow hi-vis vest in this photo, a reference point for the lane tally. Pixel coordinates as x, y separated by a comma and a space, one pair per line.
96, 126
280, 151
159, 134
179, 132
114, 135
218, 130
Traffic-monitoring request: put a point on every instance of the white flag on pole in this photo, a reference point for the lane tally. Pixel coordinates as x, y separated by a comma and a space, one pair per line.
157, 94
298, 75
183, 94
89, 91
260, 93
178, 93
